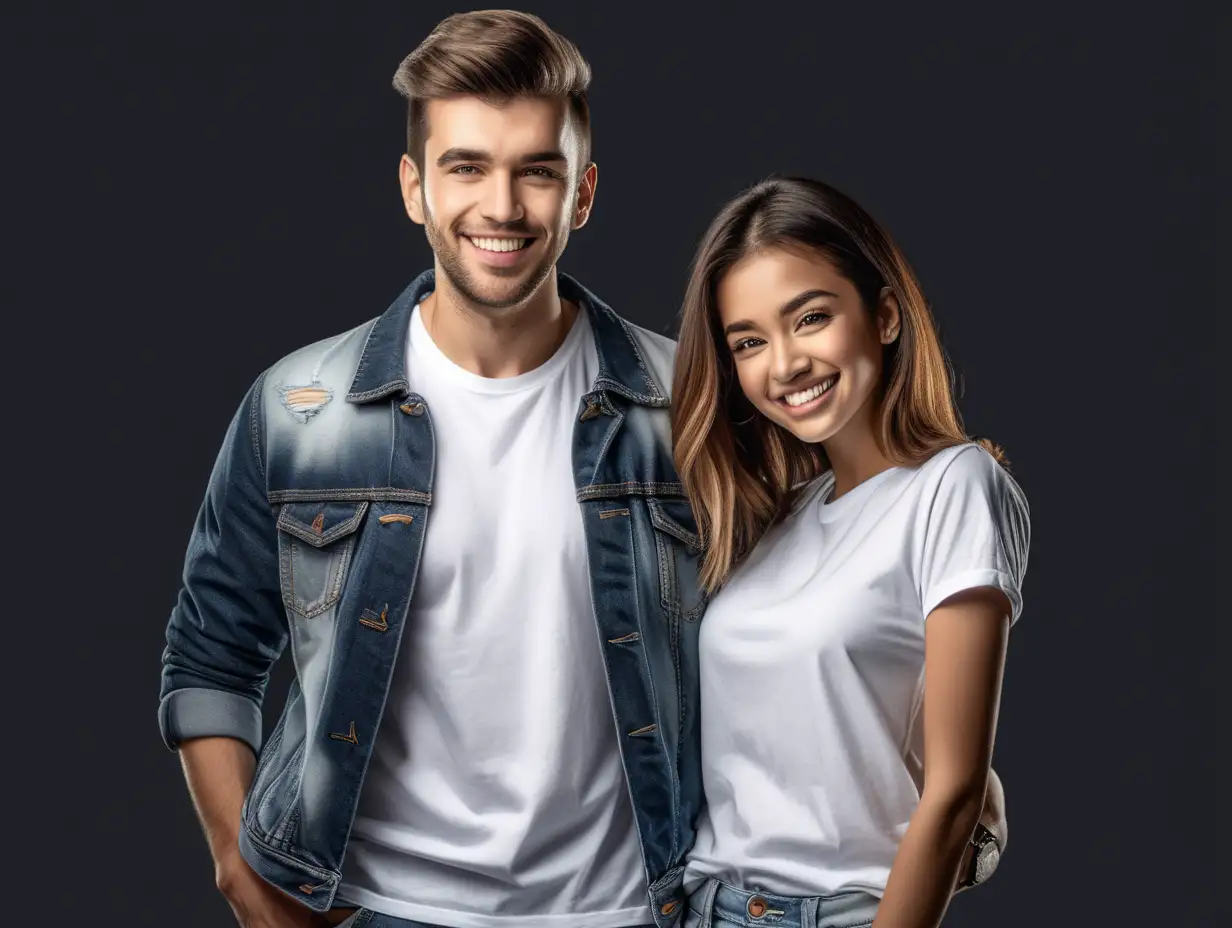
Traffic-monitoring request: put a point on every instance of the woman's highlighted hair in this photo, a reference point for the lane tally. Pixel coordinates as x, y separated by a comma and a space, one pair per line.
742, 475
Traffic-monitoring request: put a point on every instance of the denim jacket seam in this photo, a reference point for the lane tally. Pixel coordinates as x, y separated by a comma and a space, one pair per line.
300, 858
256, 424
655, 393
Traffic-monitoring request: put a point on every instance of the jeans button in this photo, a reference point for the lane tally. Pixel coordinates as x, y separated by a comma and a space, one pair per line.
757, 907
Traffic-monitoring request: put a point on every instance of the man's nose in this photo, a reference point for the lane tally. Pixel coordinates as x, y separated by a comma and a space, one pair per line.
501, 203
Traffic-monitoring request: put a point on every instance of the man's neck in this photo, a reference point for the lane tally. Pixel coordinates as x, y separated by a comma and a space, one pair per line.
503, 343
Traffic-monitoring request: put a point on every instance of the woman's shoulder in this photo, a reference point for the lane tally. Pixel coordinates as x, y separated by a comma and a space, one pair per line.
969, 468
968, 461
968, 479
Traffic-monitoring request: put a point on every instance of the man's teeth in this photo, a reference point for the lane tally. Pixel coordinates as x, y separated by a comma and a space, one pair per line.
500, 244
799, 399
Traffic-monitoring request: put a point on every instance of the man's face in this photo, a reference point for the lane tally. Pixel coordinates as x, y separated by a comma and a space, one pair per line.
501, 188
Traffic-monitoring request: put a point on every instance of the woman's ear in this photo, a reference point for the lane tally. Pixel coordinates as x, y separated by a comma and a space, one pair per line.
889, 319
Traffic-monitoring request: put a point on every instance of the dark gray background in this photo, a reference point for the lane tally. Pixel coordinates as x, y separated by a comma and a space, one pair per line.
195, 192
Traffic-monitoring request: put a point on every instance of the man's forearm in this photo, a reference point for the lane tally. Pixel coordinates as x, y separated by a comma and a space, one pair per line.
219, 772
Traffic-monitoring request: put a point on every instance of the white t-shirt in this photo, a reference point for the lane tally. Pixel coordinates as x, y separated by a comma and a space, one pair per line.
495, 797
812, 671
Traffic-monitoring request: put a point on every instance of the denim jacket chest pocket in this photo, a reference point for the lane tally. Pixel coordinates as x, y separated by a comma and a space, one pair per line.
315, 544
678, 547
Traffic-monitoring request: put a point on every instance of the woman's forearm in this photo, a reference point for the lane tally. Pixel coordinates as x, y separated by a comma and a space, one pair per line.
926, 867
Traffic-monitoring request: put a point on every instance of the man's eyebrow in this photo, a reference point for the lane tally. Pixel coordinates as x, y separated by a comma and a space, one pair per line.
455, 155
743, 325
550, 154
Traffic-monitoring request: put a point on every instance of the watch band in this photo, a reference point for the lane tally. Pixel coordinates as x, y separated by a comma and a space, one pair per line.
985, 849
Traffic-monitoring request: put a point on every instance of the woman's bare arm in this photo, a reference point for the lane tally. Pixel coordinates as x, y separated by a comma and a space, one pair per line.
965, 642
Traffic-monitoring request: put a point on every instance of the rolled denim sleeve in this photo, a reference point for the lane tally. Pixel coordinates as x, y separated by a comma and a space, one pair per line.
228, 626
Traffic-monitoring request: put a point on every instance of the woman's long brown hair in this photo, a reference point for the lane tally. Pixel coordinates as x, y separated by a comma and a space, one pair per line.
744, 474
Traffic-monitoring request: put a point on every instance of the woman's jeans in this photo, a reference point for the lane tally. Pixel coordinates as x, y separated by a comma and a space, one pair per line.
717, 905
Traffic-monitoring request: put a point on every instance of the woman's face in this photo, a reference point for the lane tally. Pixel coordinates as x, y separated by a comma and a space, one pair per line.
807, 351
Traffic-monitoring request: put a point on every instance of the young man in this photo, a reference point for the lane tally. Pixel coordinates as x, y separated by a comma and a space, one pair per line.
464, 519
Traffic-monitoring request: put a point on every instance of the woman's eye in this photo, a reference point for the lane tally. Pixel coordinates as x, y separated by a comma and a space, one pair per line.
814, 318
745, 343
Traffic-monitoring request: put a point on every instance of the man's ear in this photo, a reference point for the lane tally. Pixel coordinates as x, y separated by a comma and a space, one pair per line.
586, 195
412, 189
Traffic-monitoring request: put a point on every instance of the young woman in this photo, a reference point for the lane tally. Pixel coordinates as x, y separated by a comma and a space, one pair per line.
865, 559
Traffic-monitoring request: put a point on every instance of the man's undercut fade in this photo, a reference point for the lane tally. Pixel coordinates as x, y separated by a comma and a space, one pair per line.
497, 56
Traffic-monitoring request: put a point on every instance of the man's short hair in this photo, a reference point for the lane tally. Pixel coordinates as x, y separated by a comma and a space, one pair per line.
496, 55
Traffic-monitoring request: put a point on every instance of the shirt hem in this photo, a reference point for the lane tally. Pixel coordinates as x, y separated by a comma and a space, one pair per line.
451, 918
972, 579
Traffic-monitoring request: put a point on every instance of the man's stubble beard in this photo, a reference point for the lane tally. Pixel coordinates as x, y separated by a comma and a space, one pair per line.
453, 268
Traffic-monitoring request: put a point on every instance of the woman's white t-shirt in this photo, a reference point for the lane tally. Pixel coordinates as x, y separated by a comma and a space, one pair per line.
812, 671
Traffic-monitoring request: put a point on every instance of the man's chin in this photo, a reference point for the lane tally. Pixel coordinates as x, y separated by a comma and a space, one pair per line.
500, 289
504, 294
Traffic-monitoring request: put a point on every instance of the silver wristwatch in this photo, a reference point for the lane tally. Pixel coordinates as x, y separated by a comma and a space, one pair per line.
986, 852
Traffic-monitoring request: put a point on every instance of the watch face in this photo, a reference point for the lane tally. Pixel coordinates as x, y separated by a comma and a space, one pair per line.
986, 861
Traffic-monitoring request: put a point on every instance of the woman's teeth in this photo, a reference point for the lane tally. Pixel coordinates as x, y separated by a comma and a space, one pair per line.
500, 244
804, 396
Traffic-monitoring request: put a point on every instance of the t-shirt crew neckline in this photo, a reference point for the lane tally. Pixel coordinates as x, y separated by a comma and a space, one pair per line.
830, 509
427, 350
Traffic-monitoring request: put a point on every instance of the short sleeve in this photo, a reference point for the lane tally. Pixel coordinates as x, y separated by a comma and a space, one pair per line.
977, 531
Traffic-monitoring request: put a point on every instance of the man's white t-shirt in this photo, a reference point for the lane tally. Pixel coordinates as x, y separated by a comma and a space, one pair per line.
495, 797
812, 671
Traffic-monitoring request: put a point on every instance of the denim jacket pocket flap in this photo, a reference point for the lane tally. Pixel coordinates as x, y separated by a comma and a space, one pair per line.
661, 517
321, 523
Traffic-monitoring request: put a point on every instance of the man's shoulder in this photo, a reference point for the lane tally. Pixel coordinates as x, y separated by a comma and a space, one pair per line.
654, 352
330, 361
651, 342
657, 351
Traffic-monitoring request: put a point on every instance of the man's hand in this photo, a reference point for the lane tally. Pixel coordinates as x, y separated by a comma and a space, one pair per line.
219, 772
993, 816
256, 903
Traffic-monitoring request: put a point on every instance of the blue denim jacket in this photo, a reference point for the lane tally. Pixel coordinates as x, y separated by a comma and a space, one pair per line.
311, 532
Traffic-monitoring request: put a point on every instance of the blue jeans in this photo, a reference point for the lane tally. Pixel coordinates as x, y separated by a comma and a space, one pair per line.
717, 905
366, 918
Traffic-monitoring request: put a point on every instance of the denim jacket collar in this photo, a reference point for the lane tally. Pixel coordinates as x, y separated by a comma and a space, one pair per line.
622, 370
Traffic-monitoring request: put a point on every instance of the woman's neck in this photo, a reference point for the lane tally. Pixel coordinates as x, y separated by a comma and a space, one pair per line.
855, 455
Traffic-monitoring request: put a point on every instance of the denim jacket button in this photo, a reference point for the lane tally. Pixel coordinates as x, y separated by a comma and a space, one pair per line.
412, 409
593, 408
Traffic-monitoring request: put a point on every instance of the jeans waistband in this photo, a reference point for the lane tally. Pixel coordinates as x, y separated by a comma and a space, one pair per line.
766, 910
